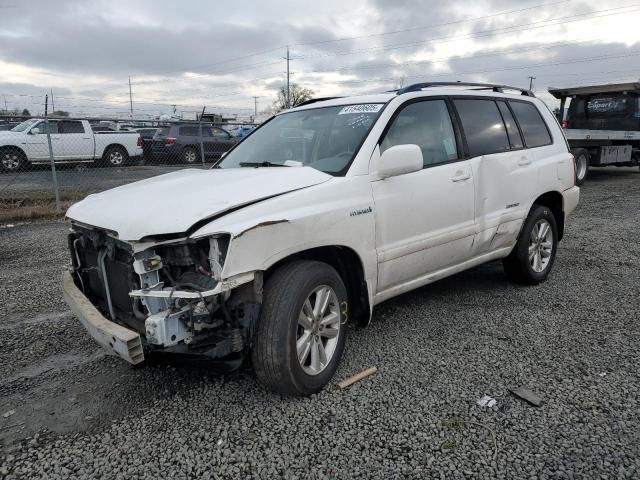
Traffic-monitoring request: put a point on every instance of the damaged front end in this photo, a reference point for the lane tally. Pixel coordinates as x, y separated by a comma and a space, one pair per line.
171, 293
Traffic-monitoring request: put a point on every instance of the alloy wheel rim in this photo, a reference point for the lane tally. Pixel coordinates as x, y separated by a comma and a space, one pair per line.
318, 330
191, 156
10, 161
540, 246
116, 158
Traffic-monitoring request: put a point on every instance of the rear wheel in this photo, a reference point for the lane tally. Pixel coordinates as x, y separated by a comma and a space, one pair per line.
190, 155
12, 160
301, 332
582, 165
115, 156
532, 258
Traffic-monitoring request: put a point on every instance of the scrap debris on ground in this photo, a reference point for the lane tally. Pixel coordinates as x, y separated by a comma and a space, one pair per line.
81, 414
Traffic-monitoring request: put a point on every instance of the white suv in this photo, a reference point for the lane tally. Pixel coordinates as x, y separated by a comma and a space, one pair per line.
318, 215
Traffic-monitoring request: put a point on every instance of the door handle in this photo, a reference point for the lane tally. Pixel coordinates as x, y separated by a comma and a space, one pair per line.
461, 176
524, 161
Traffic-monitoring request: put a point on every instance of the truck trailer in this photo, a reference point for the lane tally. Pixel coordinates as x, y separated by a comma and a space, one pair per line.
602, 125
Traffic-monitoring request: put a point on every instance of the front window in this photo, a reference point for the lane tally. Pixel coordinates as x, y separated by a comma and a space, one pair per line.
326, 139
21, 127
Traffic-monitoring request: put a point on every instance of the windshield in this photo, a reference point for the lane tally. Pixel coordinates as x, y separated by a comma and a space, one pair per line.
326, 139
21, 127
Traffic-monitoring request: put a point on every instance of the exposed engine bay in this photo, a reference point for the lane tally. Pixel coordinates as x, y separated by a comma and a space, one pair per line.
171, 293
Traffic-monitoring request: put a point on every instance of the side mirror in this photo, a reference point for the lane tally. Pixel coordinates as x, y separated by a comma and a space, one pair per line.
35, 131
400, 160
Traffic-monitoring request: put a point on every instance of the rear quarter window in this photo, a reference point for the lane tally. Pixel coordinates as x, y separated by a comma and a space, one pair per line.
532, 125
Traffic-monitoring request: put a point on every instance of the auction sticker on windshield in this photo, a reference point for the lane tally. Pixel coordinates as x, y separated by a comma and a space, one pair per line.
362, 108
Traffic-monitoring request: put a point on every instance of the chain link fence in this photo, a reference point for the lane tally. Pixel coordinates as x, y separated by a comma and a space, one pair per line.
46, 164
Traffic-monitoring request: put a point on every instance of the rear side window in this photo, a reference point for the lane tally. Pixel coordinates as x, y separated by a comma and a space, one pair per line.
512, 129
483, 126
428, 125
189, 131
72, 127
531, 123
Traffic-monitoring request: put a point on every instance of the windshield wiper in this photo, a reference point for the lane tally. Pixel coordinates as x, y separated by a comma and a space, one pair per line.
261, 164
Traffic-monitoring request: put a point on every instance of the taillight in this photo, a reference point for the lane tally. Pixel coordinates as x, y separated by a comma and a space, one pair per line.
139, 141
565, 124
169, 141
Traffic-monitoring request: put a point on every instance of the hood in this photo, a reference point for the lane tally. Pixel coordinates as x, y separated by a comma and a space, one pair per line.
172, 203
7, 134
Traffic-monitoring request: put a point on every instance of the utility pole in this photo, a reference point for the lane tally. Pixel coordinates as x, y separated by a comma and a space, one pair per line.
6, 110
255, 107
53, 105
130, 98
288, 90
531, 79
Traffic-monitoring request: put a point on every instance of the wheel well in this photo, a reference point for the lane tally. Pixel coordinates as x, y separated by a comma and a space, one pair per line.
348, 265
553, 201
114, 145
13, 147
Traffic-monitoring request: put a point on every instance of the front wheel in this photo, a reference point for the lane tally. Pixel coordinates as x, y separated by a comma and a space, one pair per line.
531, 260
12, 160
301, 333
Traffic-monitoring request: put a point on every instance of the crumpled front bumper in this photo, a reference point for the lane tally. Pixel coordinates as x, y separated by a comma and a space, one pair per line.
117, 339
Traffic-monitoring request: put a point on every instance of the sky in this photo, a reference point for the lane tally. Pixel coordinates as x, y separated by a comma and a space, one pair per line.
220, 55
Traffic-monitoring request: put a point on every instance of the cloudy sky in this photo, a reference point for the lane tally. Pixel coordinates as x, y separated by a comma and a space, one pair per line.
222, 54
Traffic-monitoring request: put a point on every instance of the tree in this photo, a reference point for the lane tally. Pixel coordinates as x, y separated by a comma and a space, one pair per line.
298, 95
26, 113
59, 113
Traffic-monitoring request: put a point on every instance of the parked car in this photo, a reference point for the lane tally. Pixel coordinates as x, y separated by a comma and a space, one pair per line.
71, 141
243, 131
146, 134
323, 212
181, 143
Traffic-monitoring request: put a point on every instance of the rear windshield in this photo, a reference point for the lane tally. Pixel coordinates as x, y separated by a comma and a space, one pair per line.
605, 105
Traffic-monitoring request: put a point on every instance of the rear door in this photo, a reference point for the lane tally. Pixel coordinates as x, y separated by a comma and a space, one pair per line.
77, 143
221, 141
504, 171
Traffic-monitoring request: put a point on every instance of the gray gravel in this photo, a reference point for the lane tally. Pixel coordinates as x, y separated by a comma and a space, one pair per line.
574, 341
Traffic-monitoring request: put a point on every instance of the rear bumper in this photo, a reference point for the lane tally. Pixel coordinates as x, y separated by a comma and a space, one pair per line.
571, 198
117, 339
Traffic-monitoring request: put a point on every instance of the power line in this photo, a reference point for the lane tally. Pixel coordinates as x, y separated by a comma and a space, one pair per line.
425, 27
484, 33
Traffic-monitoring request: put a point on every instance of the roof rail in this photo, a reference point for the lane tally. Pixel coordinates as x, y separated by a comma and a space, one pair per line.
416, 87
314, 100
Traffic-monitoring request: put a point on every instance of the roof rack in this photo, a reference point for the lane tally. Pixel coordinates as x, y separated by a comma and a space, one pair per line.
416, 87
314, 100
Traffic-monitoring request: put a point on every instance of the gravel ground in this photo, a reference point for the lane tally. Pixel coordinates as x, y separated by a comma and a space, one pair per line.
573, 341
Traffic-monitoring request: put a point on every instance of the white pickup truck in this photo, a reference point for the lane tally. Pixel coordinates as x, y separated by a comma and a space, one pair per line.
71, 141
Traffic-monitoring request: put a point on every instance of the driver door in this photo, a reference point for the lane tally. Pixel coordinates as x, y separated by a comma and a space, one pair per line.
424, 219
37, 146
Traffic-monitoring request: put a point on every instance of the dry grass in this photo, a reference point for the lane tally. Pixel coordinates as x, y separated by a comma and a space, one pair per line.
37, 205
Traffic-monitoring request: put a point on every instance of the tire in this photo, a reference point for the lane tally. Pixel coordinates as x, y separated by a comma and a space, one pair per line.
582, 165
190, 156
521, 265
274, 354
115, 156
12, 160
